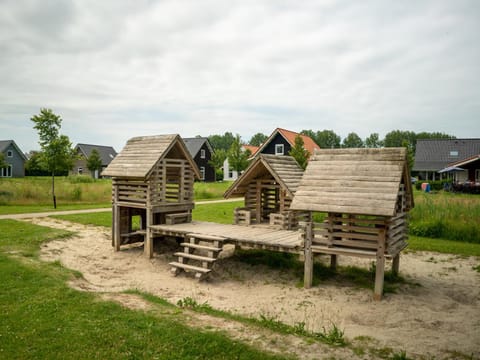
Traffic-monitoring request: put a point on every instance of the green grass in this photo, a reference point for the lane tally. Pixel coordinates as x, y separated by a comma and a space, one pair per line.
446, 215
417, 243
220, 212
26, 209
211, 190
40, 317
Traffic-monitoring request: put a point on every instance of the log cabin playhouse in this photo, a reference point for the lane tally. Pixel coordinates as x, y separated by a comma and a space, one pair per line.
268, 186
366, 195
152, 178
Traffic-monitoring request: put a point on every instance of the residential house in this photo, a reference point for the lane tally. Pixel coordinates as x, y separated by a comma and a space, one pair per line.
281, 141
201, 151
230, 174
107, 154
15, 159
433, 155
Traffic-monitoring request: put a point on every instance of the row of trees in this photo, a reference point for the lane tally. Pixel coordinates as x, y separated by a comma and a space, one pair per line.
325, 139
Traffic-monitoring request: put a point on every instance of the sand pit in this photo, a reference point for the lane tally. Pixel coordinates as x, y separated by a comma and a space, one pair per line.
435, 314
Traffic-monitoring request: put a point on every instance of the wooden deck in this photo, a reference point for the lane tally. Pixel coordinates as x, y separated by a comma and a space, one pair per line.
254, 236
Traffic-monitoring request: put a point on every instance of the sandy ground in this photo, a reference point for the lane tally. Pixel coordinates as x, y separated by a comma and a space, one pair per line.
435, 314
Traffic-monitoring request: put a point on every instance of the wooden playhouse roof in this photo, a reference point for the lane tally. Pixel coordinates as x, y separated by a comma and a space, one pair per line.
354, 181
284, 169
139, 156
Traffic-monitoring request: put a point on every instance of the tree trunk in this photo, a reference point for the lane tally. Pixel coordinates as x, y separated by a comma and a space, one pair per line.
53, 191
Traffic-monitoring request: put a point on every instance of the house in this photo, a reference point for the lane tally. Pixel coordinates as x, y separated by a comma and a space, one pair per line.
268, 186
152, 179
433, 155
281, 141
15, 159
230, 174
107, 154
201, 152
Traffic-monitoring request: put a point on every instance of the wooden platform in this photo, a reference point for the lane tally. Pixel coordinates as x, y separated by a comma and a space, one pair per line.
255, 236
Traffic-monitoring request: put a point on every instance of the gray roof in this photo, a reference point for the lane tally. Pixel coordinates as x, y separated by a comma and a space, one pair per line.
4, 144
284, 169
139, 156
436, 154
195, 144
354, 181
107, 153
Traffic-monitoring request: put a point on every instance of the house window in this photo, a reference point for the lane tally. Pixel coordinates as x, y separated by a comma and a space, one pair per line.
9, 153
279, 149
477, 175
454, 153
6, 171
80, 171
202, 173
202, 154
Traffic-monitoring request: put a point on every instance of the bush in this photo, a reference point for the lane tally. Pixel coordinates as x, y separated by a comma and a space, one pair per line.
436, 185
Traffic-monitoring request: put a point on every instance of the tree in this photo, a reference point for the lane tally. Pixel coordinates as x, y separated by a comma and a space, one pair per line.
217, 160
396, 138
94, 162
373, 141
410, 154
258, 139
57, 153
221, 141
299, 153
326, 139
34, 166
237, 157
352, 141
3, 162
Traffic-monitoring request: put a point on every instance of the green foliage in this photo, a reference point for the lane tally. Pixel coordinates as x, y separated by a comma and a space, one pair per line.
57, 153
333, 336
436, 185
446, 216
373, 141
326, 139
352, 141
224, 141
218, 157
402, 355
3, 162
94, 162
299, 153
258, 139
210, 191
34, 165
237, 157
192, 304
397, 138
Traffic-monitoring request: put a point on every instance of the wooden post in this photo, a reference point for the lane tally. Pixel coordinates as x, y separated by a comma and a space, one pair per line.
116, 221
380, 266
333, 262
258, 198
308, 257
396, 264
148, 243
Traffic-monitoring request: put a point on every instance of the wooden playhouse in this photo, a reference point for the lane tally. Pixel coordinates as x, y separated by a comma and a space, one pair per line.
268, 186
152, 178
366, 195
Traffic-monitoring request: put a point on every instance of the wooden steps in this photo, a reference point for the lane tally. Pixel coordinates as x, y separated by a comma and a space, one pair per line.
200, 251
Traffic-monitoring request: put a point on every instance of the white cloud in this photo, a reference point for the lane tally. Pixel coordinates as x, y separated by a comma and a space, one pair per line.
118, 69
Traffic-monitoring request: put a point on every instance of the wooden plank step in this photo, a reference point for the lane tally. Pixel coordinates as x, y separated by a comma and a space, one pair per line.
206, 237
194, 257
190, 267
346, 251
201, 247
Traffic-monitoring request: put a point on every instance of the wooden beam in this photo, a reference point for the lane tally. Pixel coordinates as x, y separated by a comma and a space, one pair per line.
308, 257
396, 264
380, 268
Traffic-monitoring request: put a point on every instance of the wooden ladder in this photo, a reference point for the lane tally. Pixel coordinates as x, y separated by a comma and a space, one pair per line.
196, 257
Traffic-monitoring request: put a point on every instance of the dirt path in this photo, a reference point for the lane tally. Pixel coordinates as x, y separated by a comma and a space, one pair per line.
437, 317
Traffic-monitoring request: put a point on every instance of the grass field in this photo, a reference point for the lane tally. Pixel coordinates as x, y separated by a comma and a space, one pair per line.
42, 318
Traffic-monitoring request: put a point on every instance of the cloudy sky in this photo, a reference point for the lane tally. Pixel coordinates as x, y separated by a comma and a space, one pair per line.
118, 69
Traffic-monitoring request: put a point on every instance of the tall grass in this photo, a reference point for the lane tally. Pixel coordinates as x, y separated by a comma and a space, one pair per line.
446, 216
206, 191
38, 190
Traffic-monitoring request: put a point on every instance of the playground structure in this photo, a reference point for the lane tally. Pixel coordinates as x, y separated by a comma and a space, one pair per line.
152, 178
365, 193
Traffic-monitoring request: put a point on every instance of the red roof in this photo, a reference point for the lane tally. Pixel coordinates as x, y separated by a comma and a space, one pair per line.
253, 149
290, 136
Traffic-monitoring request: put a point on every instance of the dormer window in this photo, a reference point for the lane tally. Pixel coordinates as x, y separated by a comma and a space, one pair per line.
9, 153
279, 150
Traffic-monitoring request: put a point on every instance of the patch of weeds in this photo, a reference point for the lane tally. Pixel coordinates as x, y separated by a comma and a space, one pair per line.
454, 354
476, 268
190, 303
271, 322
402, 355
333, 336
431, 259
151, 298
